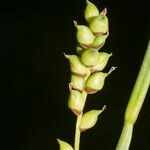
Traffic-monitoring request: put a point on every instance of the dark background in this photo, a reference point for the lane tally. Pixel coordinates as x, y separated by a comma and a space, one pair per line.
34, 73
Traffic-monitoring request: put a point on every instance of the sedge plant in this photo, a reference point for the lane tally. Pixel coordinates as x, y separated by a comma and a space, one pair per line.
87, 78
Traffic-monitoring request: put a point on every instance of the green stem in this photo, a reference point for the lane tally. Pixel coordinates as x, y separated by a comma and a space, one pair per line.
125, 138
77, 130
77, 133
135, 102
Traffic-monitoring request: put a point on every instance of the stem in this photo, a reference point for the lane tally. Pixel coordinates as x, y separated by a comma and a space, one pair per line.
77, 130
125, 138
135, 102
77, 133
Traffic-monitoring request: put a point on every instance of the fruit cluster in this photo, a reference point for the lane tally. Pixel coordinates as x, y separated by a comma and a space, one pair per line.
86, 67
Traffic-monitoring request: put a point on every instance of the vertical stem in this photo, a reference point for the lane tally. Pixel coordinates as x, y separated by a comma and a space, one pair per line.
125, 138
77, 130
135, 102
77, 133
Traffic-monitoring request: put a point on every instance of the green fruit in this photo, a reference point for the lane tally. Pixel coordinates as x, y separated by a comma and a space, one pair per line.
91, 11
90, 118
64, 145
77, 82
102, 62
90, 57
76, 102
99, 40
99, 25
95, 82
77, 68
84, 35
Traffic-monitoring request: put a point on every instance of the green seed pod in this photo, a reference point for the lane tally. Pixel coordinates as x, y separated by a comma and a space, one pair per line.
90, 118
99, 25
91, 11
64, 145
79, 49
95, 82
90, 57
84, 36
77, 82
77, 68
102, 62
99, 40
76, 102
